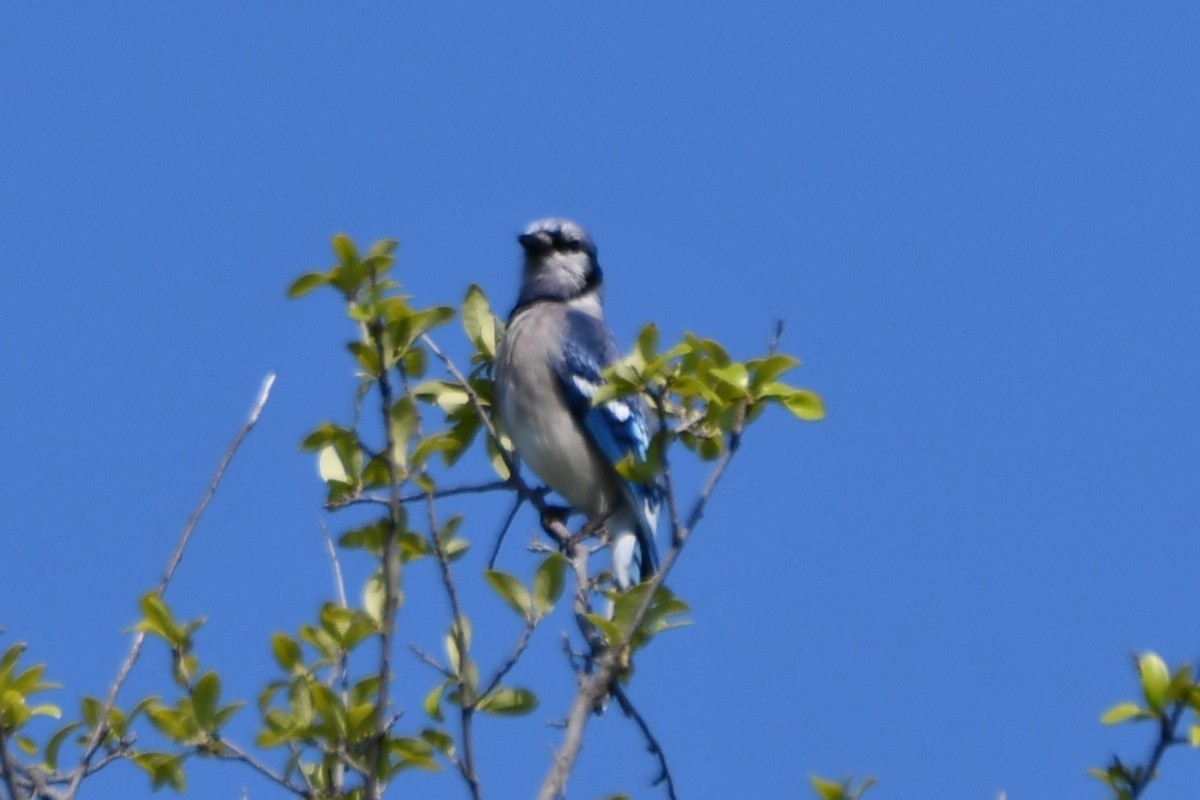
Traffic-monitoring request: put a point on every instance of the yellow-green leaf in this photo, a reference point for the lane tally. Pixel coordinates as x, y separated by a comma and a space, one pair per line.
511, 591
1120, 713
1155, 680
330, 467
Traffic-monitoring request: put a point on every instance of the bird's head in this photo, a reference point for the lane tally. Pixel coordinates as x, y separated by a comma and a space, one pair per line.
560, 261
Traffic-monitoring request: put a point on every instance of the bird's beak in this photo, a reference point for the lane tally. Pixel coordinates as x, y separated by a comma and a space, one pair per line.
535, 243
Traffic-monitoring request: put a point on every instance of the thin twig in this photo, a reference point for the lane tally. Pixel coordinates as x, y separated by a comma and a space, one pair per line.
652, 744
6, 770
336, 564
774, 344
308, 784
101, 728
231, 752
374, 499
431, 661
510, 462
467, 705
340, 674
508, 521
513, 657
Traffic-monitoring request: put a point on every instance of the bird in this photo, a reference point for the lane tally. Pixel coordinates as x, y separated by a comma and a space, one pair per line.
549, 365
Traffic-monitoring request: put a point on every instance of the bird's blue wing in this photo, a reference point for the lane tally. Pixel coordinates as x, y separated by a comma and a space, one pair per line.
617, 428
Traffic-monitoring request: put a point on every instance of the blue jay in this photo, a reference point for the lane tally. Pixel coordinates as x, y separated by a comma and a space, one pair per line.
547, 368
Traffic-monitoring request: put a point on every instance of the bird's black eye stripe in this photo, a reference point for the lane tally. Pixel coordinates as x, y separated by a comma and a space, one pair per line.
564, 245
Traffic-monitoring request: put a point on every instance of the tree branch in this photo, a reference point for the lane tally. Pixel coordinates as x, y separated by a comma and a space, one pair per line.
374, 499
390, 567
234, 753
101, 728
513, 657
652, 744
6, 769
608, 661
467, 703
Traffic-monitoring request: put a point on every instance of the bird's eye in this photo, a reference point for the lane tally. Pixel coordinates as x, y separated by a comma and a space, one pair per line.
572, 246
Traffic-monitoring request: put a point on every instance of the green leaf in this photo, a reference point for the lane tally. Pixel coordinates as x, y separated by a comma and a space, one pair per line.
1155, 680
511, 591
1121, 712
164, 769
157, 619
287, 652
478, 321
345, 249
827, 789
90, 709
439, 739
46, 710
805, 405
452, 649
50, 754
375, 597
435, 443
427, 319
645, 348
548, 582
610, 632
509, 702
734, 376
306, 283
449, 396
413, 752
367, 357
455, 549
433, 702
359, 718
204, 700
11, 655
330, 467
496, 460
770, 368
170, 722
1194, 736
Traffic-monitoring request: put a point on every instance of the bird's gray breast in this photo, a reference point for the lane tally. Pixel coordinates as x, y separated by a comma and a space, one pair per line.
536, 418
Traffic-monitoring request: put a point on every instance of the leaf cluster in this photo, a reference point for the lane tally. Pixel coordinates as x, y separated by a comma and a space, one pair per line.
1170, 700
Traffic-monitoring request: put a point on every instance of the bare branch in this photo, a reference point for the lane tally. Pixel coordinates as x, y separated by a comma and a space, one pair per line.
431, 661
652, 744
775, 337
508, 521
513, 657
466, 765
231, 752
467, 707
6, 769
336, 564
374, 499
101, 728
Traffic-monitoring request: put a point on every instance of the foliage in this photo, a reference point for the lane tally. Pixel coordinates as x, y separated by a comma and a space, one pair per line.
328, 725
1171, 701
845, 789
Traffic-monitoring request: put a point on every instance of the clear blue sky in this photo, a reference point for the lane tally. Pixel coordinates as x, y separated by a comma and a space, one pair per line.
979, 220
